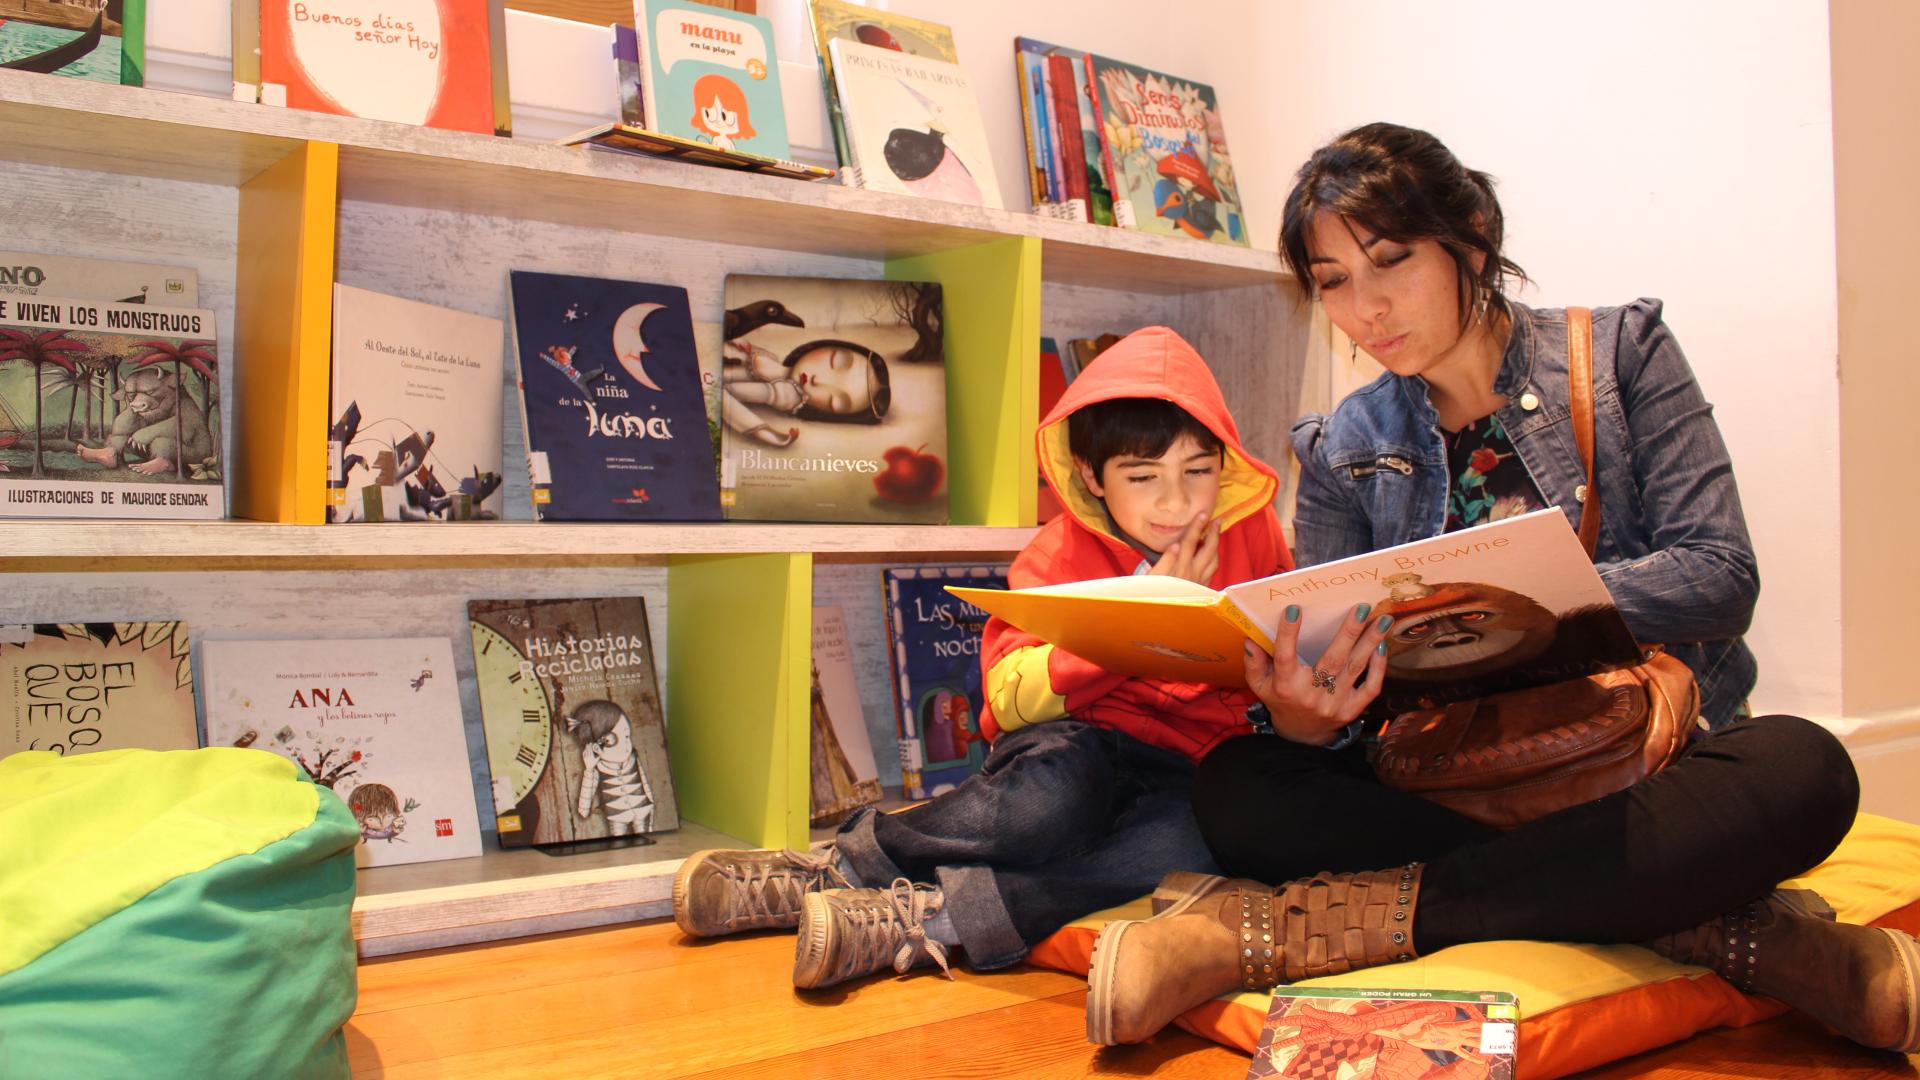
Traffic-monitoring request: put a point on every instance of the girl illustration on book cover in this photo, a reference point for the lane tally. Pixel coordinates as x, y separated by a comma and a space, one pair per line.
720, 111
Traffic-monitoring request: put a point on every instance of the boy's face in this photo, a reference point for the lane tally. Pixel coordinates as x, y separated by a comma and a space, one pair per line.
1154, 499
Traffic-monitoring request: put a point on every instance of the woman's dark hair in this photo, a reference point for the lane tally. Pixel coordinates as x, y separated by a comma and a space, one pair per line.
1403, 184
1132, 427
879, 382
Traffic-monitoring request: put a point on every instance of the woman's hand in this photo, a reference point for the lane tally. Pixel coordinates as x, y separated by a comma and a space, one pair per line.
1196, 554
1312, 703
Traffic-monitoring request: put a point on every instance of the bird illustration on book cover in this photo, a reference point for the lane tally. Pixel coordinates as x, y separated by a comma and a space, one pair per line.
833, 401
913, 125
1167, 152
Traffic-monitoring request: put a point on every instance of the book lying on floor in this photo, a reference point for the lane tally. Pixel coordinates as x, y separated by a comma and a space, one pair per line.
1498, 607
1361, 1034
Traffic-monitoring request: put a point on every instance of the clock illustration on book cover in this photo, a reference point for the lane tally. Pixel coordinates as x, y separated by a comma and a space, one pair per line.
518, 720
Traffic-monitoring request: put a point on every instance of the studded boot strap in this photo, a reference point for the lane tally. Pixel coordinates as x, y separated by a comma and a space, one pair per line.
1335, 923
1728, 946
1248, 912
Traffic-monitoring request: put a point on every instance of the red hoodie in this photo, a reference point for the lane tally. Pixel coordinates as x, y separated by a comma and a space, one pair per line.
1029, 681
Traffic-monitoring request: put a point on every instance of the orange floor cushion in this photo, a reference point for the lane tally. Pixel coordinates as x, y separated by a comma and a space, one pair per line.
1581, 1006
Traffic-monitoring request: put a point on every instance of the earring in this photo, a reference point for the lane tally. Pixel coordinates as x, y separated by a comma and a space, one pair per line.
1353, 353
1481, 308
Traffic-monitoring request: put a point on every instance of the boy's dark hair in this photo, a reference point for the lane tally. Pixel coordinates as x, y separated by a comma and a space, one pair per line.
1403, 184
1132, 427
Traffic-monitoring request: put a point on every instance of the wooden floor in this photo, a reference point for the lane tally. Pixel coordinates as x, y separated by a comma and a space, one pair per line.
644, 1001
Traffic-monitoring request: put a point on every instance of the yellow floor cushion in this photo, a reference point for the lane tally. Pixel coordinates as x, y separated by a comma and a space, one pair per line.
1581, 1005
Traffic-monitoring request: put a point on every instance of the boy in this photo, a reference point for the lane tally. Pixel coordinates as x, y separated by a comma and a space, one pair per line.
1084, 801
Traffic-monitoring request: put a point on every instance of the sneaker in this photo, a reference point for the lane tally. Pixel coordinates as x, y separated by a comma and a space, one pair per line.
725, 892
848, 933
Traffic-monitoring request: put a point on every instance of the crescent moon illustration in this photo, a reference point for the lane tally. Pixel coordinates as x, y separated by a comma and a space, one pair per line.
629, 347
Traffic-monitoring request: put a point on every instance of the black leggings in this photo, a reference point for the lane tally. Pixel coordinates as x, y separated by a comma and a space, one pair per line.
1764, 800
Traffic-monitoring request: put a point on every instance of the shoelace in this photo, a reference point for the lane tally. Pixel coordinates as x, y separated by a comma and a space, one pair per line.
804, 872
892, 922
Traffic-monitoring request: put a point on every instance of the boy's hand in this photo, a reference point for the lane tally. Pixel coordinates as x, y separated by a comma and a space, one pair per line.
1196, 554
1313, 703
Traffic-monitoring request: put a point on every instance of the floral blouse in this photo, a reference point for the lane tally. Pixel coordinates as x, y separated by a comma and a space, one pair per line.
1489, 481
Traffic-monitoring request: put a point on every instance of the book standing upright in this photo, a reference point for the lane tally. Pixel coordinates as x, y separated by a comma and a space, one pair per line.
415, 427
376, 721
77, 688
933, 650
834, 401
1165, 149
711, 76
912, 126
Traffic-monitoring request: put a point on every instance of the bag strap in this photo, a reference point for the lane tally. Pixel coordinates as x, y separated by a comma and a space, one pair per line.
1580, 391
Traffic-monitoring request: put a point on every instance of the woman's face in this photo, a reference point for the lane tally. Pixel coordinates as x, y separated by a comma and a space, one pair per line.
1398, 302
837, 381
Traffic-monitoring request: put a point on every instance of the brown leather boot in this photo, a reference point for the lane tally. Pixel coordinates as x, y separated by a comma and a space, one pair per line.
1861, 981
1228, 935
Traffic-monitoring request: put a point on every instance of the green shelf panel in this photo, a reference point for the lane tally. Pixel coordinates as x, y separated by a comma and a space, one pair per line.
992, 302
739, 639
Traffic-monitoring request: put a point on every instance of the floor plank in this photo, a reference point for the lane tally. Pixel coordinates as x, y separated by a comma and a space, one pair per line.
646, 1001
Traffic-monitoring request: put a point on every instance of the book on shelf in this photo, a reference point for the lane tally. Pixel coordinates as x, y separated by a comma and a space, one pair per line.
933, 653
843, 776
1028, 69
376, 721
414, 433
425, 62
108, 410
842, 20
912, 126
833, 401
709, 75
1053, 385
1498, 607
628, 139
1083, 351
1357, 1033
576, 733
77, 688
1165, 151
102, 41
1058, 76
626, 73
29, 274
610, 400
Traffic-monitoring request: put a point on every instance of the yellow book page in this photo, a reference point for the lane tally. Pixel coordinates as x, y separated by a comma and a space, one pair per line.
1156, 627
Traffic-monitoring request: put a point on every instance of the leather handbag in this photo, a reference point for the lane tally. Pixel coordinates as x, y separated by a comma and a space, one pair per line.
1507, 759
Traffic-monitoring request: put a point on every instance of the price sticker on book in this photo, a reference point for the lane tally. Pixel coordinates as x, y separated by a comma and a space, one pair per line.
1498, 1037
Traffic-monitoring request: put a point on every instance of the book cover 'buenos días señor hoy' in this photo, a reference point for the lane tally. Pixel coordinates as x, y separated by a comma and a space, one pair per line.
833, 401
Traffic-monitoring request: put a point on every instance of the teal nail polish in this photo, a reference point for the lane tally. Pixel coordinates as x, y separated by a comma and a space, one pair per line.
1385, 623
1293, 612
1382, 650
1247, 648
1360, 614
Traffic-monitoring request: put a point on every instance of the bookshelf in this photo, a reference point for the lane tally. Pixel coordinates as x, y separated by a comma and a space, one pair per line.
272, 206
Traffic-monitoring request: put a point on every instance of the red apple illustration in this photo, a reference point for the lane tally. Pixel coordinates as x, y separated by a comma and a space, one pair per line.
910, 476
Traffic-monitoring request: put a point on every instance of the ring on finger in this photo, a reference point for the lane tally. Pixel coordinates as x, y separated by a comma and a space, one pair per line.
1324, 680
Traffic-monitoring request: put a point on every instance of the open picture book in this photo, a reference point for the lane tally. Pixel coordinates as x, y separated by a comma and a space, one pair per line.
1498, 607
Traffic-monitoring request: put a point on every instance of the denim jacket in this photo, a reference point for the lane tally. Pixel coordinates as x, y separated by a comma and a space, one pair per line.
1673, 549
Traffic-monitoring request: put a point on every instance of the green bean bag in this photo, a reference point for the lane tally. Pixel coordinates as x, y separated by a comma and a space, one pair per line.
176, 914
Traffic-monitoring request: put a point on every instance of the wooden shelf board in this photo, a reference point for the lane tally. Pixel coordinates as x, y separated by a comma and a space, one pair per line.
71, 545
74, 123
509, 893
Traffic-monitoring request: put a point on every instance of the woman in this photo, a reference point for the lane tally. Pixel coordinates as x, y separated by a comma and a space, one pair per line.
1401, 245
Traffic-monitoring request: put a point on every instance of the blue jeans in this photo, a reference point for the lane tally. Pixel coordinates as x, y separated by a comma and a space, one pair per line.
1064, 819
